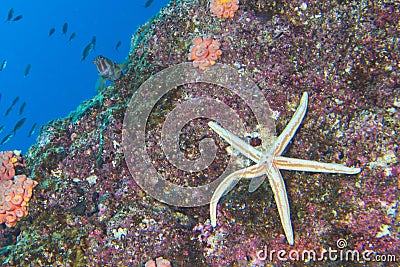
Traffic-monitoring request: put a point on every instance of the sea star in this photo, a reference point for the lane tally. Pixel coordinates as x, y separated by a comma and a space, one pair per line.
268, 164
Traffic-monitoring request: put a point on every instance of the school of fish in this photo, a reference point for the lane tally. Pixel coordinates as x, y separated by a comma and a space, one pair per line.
107, 70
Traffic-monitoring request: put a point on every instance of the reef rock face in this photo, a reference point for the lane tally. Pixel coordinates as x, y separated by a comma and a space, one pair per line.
88, 210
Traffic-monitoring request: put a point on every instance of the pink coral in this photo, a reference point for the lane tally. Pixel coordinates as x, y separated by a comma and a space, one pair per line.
15, 190
160, 262
8, 161
224, 8
204, 52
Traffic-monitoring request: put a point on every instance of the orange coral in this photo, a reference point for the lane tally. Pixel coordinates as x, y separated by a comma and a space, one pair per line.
15, 190
204, 52
14, 197
224, 8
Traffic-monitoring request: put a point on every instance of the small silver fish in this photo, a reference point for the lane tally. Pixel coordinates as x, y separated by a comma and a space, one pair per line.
72, 36
27, 69
51, 31
94, 39
10, 14
7, 138
19, 124
21, 109
118, 45
3, 65
33, 129
8, 111
12, 105
148, 3
65, 28
18, 18
16, 99
89, 48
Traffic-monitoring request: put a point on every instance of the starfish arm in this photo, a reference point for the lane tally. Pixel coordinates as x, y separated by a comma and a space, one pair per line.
233, 178
237, 143
281, 199
284, 138
312, 166
226, 184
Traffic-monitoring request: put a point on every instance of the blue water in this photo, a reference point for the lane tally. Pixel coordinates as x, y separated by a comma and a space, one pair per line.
58, 81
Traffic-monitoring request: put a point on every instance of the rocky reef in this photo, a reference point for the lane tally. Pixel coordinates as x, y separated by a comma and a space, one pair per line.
88, 210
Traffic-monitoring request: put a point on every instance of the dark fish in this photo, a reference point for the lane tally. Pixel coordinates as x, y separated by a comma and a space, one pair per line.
65, 28
18, 18
21, 109
94, 42
11, 106
27, 69
15, 101
33, 129
89, 48
3, 65
148, 3
108, 69
118, 45
10, 14
8, 111
72, 36
19, 124
52, 30
7, 138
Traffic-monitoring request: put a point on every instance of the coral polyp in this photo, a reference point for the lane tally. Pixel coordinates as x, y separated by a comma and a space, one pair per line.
224, 8
205, 52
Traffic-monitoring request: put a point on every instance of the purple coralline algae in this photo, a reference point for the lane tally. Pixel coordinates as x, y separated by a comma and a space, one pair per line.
87, 209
